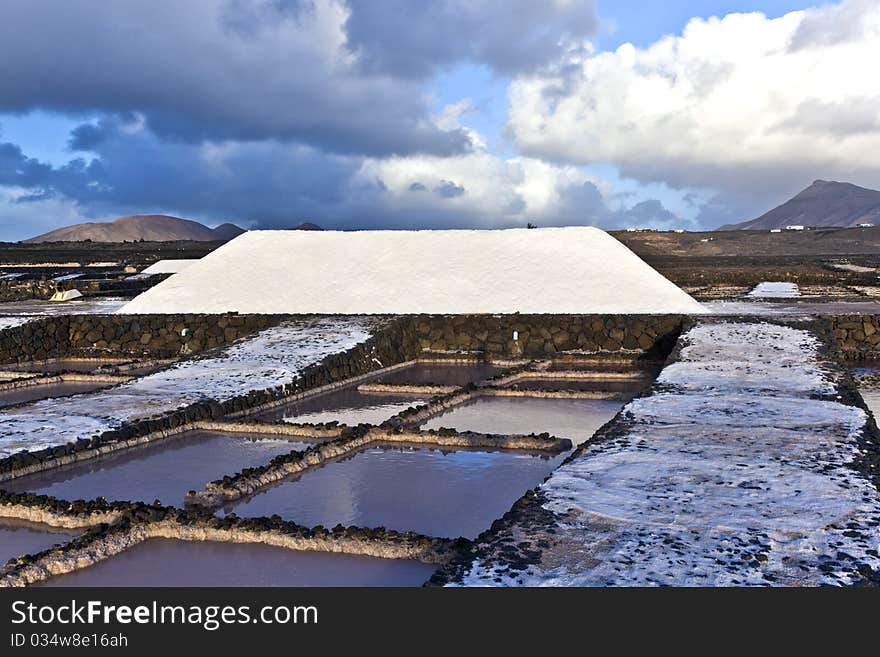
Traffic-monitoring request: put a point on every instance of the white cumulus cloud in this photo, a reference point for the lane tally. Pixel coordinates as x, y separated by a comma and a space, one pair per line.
743, 103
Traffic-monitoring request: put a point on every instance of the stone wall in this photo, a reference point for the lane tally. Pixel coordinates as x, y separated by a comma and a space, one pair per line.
158, 336
858, 336
26, 290
135, 336
543, 336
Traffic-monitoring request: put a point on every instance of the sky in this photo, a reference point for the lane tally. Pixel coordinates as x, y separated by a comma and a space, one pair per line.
358, 114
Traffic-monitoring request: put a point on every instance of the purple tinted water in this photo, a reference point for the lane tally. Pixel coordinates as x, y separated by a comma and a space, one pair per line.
576, 419
165, 470
441, 374
47, 391
19, 537
433, 492
165, 562
583, 385
346, 405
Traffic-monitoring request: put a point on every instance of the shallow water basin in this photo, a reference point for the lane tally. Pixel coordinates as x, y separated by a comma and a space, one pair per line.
167, 562
164, 470
441, 374
346, 406
63, 365
20, 537
613, 386
575, 419
37, 392
426, 490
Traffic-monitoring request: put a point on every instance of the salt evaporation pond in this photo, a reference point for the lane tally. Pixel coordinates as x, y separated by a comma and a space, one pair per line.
165, 470
744, 469
620, 387
32, 393
867, 376
19, 537
433, 492
775, 290
167, 562
269, 358
575, 419
441, 374
62, 365
346, 406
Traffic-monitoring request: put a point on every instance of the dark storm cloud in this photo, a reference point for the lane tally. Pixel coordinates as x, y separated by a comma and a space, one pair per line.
213, 70
266, 185
415, 39
448, 189
417, 187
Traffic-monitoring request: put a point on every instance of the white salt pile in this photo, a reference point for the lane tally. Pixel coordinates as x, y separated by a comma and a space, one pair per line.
549, 270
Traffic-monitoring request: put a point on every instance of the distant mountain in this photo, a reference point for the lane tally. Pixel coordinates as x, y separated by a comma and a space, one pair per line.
226, 231
824, 203
307, 226
148, 227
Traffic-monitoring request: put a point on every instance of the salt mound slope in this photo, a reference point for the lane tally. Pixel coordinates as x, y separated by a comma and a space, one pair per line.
168, 266
549, 270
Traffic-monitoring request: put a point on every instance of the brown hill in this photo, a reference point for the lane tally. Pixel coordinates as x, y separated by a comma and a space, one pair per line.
824, 203
148, 227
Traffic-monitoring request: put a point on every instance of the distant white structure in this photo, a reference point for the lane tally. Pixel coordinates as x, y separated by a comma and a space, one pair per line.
65, 295
544, 270
866, 225
775, 230
775, 290
795, 227
168, 266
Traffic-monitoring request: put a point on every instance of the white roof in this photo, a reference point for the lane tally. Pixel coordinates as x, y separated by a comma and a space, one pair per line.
168, 266
545, 270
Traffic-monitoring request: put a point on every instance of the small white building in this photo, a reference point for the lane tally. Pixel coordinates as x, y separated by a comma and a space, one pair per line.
795, 227
866, 225
775, 230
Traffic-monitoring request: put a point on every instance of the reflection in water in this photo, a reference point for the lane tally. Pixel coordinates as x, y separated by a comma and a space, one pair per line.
165, 562
165, 470
433, 492
48, 391
346, 406
19, 537
576, 419
441, 374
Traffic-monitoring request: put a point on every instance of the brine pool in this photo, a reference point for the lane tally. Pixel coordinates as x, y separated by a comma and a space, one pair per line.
346, 406
20, 537
164, 471
427, 490
168, 562
575, 419
37, 392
